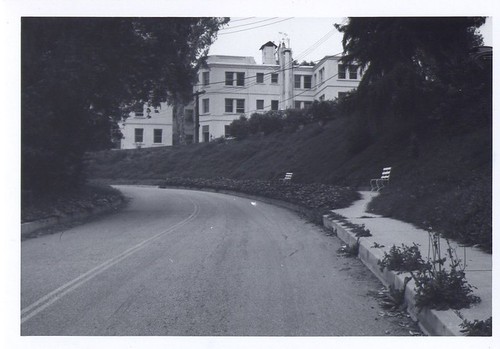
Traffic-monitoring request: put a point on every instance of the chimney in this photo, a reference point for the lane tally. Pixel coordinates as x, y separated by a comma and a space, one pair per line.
286, 68
268, 53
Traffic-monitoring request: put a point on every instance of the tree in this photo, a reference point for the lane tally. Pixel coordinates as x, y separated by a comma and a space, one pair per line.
79, 75
411, 65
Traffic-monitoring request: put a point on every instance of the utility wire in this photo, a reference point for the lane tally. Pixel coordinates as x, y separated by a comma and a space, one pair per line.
260, 26
247, 24
241, 19
297, 95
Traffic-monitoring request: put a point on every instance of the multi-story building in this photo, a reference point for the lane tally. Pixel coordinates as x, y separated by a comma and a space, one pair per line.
232, 86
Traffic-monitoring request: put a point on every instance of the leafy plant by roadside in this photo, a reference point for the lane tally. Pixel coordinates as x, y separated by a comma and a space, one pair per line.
477, 327
402, 259
439, 288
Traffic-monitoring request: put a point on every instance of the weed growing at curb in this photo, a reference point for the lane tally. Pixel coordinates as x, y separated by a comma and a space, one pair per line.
358, 229
477, 328
438, 288
402, 259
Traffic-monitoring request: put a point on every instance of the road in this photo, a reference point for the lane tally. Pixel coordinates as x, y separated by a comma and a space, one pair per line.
179, 262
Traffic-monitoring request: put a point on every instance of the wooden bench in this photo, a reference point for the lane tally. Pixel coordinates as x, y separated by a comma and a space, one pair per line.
287, 178
379, 183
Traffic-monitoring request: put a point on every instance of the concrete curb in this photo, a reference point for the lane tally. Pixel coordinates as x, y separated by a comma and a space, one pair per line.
49, 222
432, 322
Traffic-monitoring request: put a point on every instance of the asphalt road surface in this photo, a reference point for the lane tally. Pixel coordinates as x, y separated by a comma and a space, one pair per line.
189, 263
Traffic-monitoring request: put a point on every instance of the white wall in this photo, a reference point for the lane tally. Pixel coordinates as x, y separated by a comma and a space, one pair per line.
161, 120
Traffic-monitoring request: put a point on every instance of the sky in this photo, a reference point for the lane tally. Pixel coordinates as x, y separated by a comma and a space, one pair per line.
311, 38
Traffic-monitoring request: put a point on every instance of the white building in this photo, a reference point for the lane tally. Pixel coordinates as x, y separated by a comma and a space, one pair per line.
151, 127
232, 86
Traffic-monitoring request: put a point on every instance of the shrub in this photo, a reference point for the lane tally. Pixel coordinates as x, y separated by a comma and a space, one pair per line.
443, 289
438, 288
402, 259
267, 123
323, 110
239, 128
477, 328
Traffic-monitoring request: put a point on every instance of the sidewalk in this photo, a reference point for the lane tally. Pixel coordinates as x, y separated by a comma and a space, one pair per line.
389, 232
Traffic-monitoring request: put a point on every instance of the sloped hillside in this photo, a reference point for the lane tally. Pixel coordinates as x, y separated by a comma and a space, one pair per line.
441, 180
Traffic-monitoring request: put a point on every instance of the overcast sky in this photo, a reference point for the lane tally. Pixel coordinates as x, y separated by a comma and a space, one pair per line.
310, 38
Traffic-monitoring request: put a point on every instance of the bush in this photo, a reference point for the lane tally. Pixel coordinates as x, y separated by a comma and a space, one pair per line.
477, 328
438, 288
323, 110
443, 289
403, 259
267, 123
239, 128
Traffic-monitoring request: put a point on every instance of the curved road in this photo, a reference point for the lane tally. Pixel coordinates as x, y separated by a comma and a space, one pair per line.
179, 262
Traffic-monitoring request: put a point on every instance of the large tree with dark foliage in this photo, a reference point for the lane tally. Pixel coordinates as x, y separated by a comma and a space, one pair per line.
416, 70
81, 74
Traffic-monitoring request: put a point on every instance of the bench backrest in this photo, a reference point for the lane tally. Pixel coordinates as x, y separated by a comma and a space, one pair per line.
288, 176
386, 173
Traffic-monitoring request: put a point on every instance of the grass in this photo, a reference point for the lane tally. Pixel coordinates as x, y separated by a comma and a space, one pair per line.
446, 187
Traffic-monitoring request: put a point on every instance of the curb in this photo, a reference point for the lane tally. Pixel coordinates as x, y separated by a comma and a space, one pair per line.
432, 322
49, 222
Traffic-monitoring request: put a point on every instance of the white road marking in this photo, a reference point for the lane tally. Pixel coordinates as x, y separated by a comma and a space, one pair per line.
50, 298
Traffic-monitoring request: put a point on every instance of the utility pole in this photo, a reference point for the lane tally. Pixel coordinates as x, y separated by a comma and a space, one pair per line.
197, 115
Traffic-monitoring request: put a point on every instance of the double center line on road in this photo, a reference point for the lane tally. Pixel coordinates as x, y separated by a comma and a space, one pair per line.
50, 298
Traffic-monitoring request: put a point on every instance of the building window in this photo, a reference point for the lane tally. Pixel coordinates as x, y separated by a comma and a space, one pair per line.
297, 104
205, 133
206, 78
229, 105
260, 104
274, 78
341, 74
297, 79
157, 135
206, 106
274, 105
353, 72
321, 75
307, 81
307, 105
138, 135
229, 79
239, 78
139, 113
227, 131
260, 78
240, 105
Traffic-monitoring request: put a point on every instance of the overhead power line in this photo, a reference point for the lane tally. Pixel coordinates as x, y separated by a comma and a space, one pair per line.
240, 19
247, 24
260, 26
